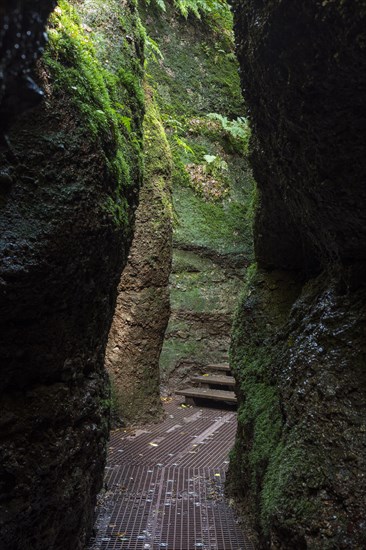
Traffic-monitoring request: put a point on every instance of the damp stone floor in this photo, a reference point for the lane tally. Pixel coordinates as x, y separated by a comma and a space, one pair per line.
164, 485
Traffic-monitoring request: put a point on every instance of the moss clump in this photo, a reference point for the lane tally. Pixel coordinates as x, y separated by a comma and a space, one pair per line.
108, 97
158, 160
157, 151
197, 88
207, 290
287, 462
259, 417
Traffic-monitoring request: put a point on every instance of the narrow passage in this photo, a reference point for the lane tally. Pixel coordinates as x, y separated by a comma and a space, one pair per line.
165, 484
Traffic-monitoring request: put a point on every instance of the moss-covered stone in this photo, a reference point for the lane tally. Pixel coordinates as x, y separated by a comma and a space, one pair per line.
104, 81
197, 88
261, 313
198, 71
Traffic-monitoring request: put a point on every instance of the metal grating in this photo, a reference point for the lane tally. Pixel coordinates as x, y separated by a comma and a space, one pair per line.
165, 486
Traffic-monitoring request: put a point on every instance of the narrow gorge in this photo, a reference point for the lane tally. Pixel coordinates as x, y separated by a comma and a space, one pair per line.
183, 184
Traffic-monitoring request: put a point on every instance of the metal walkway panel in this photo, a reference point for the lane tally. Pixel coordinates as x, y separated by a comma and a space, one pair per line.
165, 486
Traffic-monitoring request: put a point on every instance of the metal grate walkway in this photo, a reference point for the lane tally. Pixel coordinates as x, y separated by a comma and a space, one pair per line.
165, 485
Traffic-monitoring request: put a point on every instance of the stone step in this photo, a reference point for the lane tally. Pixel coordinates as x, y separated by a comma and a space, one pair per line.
207, 393
217, 380
224, 367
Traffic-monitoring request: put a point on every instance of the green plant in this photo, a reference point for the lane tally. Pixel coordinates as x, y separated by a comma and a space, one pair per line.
181, 143
217, 11
215, 165
238, 130
153, 52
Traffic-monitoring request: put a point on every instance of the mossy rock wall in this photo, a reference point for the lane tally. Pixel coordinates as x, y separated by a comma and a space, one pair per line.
70, 172
195, 74
298, 349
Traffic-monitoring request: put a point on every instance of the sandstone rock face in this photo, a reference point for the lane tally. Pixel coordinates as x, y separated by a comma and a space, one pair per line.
299, 337
143, 305
62, 249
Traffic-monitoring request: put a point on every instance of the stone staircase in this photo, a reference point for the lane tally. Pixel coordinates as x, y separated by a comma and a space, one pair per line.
217, 385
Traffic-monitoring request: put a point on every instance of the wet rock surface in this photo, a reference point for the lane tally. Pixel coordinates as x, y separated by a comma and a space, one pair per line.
299, 336
61, 254
303, 75
58, 282
22, 40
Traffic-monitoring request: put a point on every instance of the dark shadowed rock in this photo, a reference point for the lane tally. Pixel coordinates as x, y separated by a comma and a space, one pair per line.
299, 337
66, 213
22, 41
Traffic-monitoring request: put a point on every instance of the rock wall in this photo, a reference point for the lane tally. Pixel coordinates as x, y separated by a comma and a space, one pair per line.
298, 350
198, 92
70, 171
203, 298
143, 305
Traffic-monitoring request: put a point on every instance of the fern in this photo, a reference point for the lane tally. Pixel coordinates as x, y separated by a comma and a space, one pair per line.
153, 51
160, 4
217, 10
184, 145
238, 129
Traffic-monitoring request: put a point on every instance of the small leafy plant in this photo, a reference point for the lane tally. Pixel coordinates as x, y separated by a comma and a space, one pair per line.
237, 130
216, 10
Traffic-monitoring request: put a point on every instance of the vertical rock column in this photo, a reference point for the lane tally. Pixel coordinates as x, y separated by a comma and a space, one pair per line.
143, 307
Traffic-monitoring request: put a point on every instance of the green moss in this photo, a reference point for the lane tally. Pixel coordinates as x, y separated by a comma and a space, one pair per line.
195, 75
217, 14
108, 96
177, 350
106, 404
158, 160
190, 262
288, 461
264, 461
259, 415
157, 150
198, 73
222, 227
207, 291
